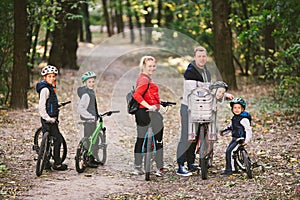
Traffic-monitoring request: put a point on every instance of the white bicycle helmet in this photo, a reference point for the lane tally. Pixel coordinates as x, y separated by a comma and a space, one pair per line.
49, 70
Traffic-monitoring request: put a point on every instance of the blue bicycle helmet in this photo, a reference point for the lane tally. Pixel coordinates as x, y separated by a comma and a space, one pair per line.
88, 75
238, 101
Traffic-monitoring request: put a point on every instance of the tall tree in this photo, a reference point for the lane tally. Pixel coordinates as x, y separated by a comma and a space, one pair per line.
20, 73
106, 17
64, 43
223, 42
86, 20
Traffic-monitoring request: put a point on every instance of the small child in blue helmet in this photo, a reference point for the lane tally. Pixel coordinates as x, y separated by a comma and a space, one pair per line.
87, 108
240, 126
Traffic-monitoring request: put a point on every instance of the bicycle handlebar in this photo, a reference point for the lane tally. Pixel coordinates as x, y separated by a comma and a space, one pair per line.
65, 103
108, 113
167, 103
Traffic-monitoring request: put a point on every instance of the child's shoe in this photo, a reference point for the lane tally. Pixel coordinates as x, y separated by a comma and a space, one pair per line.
193, 167
91, 163
60, 167
226, 173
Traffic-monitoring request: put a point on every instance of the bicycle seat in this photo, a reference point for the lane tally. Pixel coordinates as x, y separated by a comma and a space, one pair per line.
240, 140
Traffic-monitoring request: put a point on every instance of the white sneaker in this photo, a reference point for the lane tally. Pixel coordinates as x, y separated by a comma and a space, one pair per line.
137, 171
158, 173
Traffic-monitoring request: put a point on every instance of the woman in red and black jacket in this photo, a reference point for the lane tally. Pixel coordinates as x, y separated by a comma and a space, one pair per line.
146, 94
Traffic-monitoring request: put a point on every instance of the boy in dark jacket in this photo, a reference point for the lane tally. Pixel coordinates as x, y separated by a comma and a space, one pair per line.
49, 110
240, 126
87, 108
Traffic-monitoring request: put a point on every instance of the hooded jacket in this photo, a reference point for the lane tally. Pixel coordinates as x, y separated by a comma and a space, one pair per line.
241, 128
51, 102
87, 106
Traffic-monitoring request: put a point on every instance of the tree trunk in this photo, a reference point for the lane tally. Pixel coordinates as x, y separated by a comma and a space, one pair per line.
57, 48
20, 72
223, 42
129, 15
64, 44
106, 16
86, 19
148, 24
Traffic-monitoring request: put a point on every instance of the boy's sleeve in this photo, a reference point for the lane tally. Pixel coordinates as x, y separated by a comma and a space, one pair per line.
83, 105
44, 95
246, 123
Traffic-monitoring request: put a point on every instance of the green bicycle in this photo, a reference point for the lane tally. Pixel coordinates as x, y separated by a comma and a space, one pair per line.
86, 144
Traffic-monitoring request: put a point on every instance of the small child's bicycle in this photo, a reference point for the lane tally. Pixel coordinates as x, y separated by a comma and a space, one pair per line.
242, 159
85, 146
149, 147
43, 146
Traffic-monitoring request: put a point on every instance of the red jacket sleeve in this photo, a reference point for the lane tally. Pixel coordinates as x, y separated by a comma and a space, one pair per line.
141, 87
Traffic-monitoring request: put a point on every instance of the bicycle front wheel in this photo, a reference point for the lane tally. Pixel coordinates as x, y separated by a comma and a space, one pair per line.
247, 163
81, 157
102, 149
38, 138
43, 155
203, 154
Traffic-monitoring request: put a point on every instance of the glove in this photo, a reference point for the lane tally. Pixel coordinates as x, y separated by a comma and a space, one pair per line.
225, 131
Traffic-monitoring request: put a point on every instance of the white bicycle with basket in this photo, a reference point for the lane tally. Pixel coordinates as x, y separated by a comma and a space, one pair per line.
202, 112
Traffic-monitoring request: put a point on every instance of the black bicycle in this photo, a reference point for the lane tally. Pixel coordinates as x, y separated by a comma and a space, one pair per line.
149, 147
43, 146
242, 159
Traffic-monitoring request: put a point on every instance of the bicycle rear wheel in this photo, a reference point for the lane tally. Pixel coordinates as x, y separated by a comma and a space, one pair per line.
102, 149
148, 156
247, 163
81, 157
43, 155
38, 138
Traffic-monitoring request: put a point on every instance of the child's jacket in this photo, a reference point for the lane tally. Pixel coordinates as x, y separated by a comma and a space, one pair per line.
51, 102
241, 126
87, 106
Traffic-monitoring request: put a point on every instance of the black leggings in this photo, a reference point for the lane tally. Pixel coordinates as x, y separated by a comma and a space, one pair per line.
157, 127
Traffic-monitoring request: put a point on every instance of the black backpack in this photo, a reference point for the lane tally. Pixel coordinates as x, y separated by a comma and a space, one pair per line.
132, 104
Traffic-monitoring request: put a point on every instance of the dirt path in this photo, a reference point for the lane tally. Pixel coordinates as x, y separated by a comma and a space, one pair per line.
116, 66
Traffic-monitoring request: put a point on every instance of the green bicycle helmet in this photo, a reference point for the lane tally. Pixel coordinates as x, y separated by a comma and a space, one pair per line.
218, 84
238, 101
88, 75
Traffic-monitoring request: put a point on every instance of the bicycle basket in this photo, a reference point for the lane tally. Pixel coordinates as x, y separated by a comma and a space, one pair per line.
200, 103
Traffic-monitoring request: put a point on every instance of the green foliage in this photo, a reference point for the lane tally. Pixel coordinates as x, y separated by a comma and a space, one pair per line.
284, 69
6, 48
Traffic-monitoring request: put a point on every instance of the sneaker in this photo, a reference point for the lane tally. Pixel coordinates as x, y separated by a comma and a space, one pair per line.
138, 171
193, 167
60, 167
182, 171
91, 163
160, 172
226, 173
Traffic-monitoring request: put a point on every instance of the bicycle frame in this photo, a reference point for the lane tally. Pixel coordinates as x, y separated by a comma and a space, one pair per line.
93, 138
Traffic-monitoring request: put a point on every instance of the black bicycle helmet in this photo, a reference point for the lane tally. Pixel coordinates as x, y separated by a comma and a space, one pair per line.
218, 84
238, 101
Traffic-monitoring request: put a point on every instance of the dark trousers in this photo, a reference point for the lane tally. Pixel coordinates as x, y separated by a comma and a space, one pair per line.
156, 122
89, 128
52, 128
185, 149
230, 163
